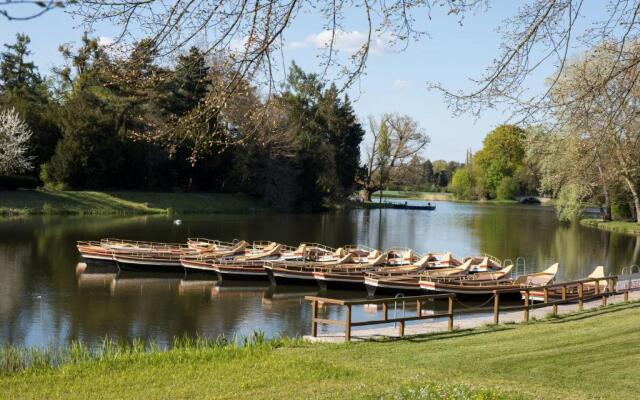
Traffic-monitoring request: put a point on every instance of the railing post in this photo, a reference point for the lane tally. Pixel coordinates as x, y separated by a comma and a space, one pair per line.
401, 327
385, 310
597, 287
580, 295
564, 293
314, 316
526, 305
347, 330
496, 307
626, 296
451, 311
418, 308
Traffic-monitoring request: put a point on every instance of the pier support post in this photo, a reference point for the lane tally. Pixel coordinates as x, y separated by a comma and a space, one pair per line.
450, 312
347, 329
626, 296
314, 316
418, 308
401, 328
580, 293
385, 310
496, 307
526, 306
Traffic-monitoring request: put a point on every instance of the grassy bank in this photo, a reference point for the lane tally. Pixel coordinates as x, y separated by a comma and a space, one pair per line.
614, 226
580, 356
411, 195
28, 202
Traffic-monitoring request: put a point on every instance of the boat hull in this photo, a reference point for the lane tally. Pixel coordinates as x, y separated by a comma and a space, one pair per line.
134, 265
336, 282
279, 276
252, 274
392, 288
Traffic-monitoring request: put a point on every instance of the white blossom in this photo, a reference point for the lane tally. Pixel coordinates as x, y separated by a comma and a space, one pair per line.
14, 139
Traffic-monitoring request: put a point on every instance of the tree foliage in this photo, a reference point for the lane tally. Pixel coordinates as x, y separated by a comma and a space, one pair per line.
14, 138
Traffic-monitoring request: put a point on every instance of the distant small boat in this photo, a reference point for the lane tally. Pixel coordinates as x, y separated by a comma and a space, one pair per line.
412, 207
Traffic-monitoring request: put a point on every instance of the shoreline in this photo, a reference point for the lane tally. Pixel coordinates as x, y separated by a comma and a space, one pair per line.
631, 228
16, 203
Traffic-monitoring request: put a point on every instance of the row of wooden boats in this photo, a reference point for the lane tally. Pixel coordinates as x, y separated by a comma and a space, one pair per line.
395, 270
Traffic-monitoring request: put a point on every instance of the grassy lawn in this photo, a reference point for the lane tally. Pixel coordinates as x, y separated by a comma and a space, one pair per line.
88, 202
581, 356
615, 226
402, 194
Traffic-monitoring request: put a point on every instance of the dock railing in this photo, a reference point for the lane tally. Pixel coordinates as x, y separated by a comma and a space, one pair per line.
348, 323
564, 290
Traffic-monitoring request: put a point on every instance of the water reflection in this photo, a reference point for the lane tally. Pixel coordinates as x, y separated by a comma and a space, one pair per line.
46, 297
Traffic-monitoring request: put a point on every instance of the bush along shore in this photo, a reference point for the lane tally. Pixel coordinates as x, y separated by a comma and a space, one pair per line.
34, 202
613, 226
555, 358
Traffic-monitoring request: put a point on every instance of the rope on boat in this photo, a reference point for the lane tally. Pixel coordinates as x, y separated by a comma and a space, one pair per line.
474, 307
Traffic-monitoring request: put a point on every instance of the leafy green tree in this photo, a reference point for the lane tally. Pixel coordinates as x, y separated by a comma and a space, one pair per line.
502, 154
462, 184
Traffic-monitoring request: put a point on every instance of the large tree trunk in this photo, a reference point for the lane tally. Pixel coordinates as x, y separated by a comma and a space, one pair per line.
636, 199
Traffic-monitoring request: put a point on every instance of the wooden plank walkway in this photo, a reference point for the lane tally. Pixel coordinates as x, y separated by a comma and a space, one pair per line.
461, 322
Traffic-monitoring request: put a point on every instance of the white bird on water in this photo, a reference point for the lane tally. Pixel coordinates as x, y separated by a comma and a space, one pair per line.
177, 221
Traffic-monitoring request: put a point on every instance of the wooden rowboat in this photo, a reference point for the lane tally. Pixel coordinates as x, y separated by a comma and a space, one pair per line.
471, 287
572, 291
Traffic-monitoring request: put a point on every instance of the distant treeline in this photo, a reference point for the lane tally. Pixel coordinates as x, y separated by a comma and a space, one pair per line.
103, 122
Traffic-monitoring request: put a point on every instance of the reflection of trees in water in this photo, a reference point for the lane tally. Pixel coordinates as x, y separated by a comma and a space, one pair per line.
534, 233
13, 303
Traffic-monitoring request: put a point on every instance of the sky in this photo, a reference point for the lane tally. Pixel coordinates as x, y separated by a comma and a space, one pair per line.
395, 80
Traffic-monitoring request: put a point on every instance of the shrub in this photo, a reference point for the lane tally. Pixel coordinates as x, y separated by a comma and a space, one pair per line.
507, 188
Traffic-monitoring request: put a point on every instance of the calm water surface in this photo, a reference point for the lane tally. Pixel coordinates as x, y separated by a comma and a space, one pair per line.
43, 299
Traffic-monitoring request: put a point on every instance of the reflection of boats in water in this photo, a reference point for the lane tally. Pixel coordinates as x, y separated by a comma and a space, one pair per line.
191, 287
94, 280
230, 288
135, 284
91, 268
276, 294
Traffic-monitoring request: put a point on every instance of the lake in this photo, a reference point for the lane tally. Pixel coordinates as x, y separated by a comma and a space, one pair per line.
44, 299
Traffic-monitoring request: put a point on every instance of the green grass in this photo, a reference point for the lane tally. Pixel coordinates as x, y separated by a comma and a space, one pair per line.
26, 202
615, 226
413, 195
581, 356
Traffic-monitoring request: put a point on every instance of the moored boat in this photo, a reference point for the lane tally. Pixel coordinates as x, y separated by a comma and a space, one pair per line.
572, 291
475, 287
407, 281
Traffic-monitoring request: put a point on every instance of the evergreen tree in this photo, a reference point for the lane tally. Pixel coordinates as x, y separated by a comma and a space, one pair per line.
16, 73
345, 135
23, 89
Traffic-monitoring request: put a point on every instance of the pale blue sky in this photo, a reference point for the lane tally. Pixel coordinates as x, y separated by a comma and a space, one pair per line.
395, 81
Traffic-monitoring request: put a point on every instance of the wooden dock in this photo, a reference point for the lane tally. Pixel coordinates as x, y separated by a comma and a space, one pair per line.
451, 319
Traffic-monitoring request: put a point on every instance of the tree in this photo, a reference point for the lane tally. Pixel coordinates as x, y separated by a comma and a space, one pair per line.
16, 73
601, 112
395, 140
462, 184
24, 90
428, 172
502, 154
14, 138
